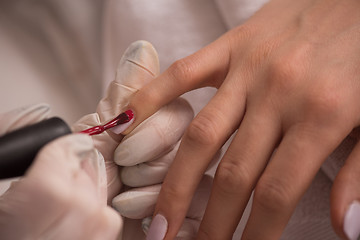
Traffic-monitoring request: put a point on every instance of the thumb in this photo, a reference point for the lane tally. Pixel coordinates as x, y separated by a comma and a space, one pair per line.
138, 66
345, 198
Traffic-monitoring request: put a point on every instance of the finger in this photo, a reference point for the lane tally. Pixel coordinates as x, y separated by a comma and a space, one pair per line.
156, 136
148, 173
139, 203
153, 172
138, 66
238, 171
345, 198
187, 231
206, 67
191, 223
286, 178
205, 136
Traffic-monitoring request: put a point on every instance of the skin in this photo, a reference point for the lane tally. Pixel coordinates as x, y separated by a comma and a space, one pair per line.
287, 79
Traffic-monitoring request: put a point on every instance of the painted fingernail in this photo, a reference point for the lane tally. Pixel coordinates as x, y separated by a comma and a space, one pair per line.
352, 221
126, 119
158, 228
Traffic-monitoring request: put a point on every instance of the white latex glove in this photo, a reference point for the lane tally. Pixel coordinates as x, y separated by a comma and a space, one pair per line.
152, 145
63, 194
147, 152
155, 138
139, 203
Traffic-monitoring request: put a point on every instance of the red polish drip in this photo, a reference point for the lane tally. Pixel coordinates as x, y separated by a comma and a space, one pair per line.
120, 119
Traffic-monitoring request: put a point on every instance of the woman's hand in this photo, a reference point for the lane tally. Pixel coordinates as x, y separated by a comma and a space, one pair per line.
288, 79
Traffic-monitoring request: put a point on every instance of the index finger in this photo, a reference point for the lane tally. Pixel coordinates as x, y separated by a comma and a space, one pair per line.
203, 68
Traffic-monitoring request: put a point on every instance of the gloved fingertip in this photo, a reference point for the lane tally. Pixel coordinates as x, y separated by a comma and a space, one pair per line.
143, 54
140, 147
138, 65
137, 203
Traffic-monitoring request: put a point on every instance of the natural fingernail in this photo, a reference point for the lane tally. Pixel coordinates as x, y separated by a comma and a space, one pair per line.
121, 128
352, 221
158, 228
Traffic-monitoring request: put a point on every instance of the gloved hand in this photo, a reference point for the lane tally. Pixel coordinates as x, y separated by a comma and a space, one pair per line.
63, 194
139, 203
155, 138
149, 149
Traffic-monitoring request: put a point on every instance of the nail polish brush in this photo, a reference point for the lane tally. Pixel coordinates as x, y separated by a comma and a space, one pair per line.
19, 148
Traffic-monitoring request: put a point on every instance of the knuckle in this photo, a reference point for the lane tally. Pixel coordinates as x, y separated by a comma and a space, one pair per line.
323, 103
182, 70
203, 131
243, 32
273, 194
151, 96
286, 70
172, 191
232, 176
262, 52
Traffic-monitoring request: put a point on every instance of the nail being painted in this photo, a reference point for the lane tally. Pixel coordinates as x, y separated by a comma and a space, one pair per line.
117, 125
19, 148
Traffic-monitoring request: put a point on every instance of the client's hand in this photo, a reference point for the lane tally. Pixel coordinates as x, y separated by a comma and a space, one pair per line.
288, 79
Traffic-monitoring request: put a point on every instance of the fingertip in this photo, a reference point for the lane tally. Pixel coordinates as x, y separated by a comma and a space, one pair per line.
158, 228
345, 207
137, 203
138, 65
143, 54
352, 221
172, 205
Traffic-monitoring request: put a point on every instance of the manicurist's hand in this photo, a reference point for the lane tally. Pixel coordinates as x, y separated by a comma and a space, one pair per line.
140, 160
63, 193
288, 79
150, 141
